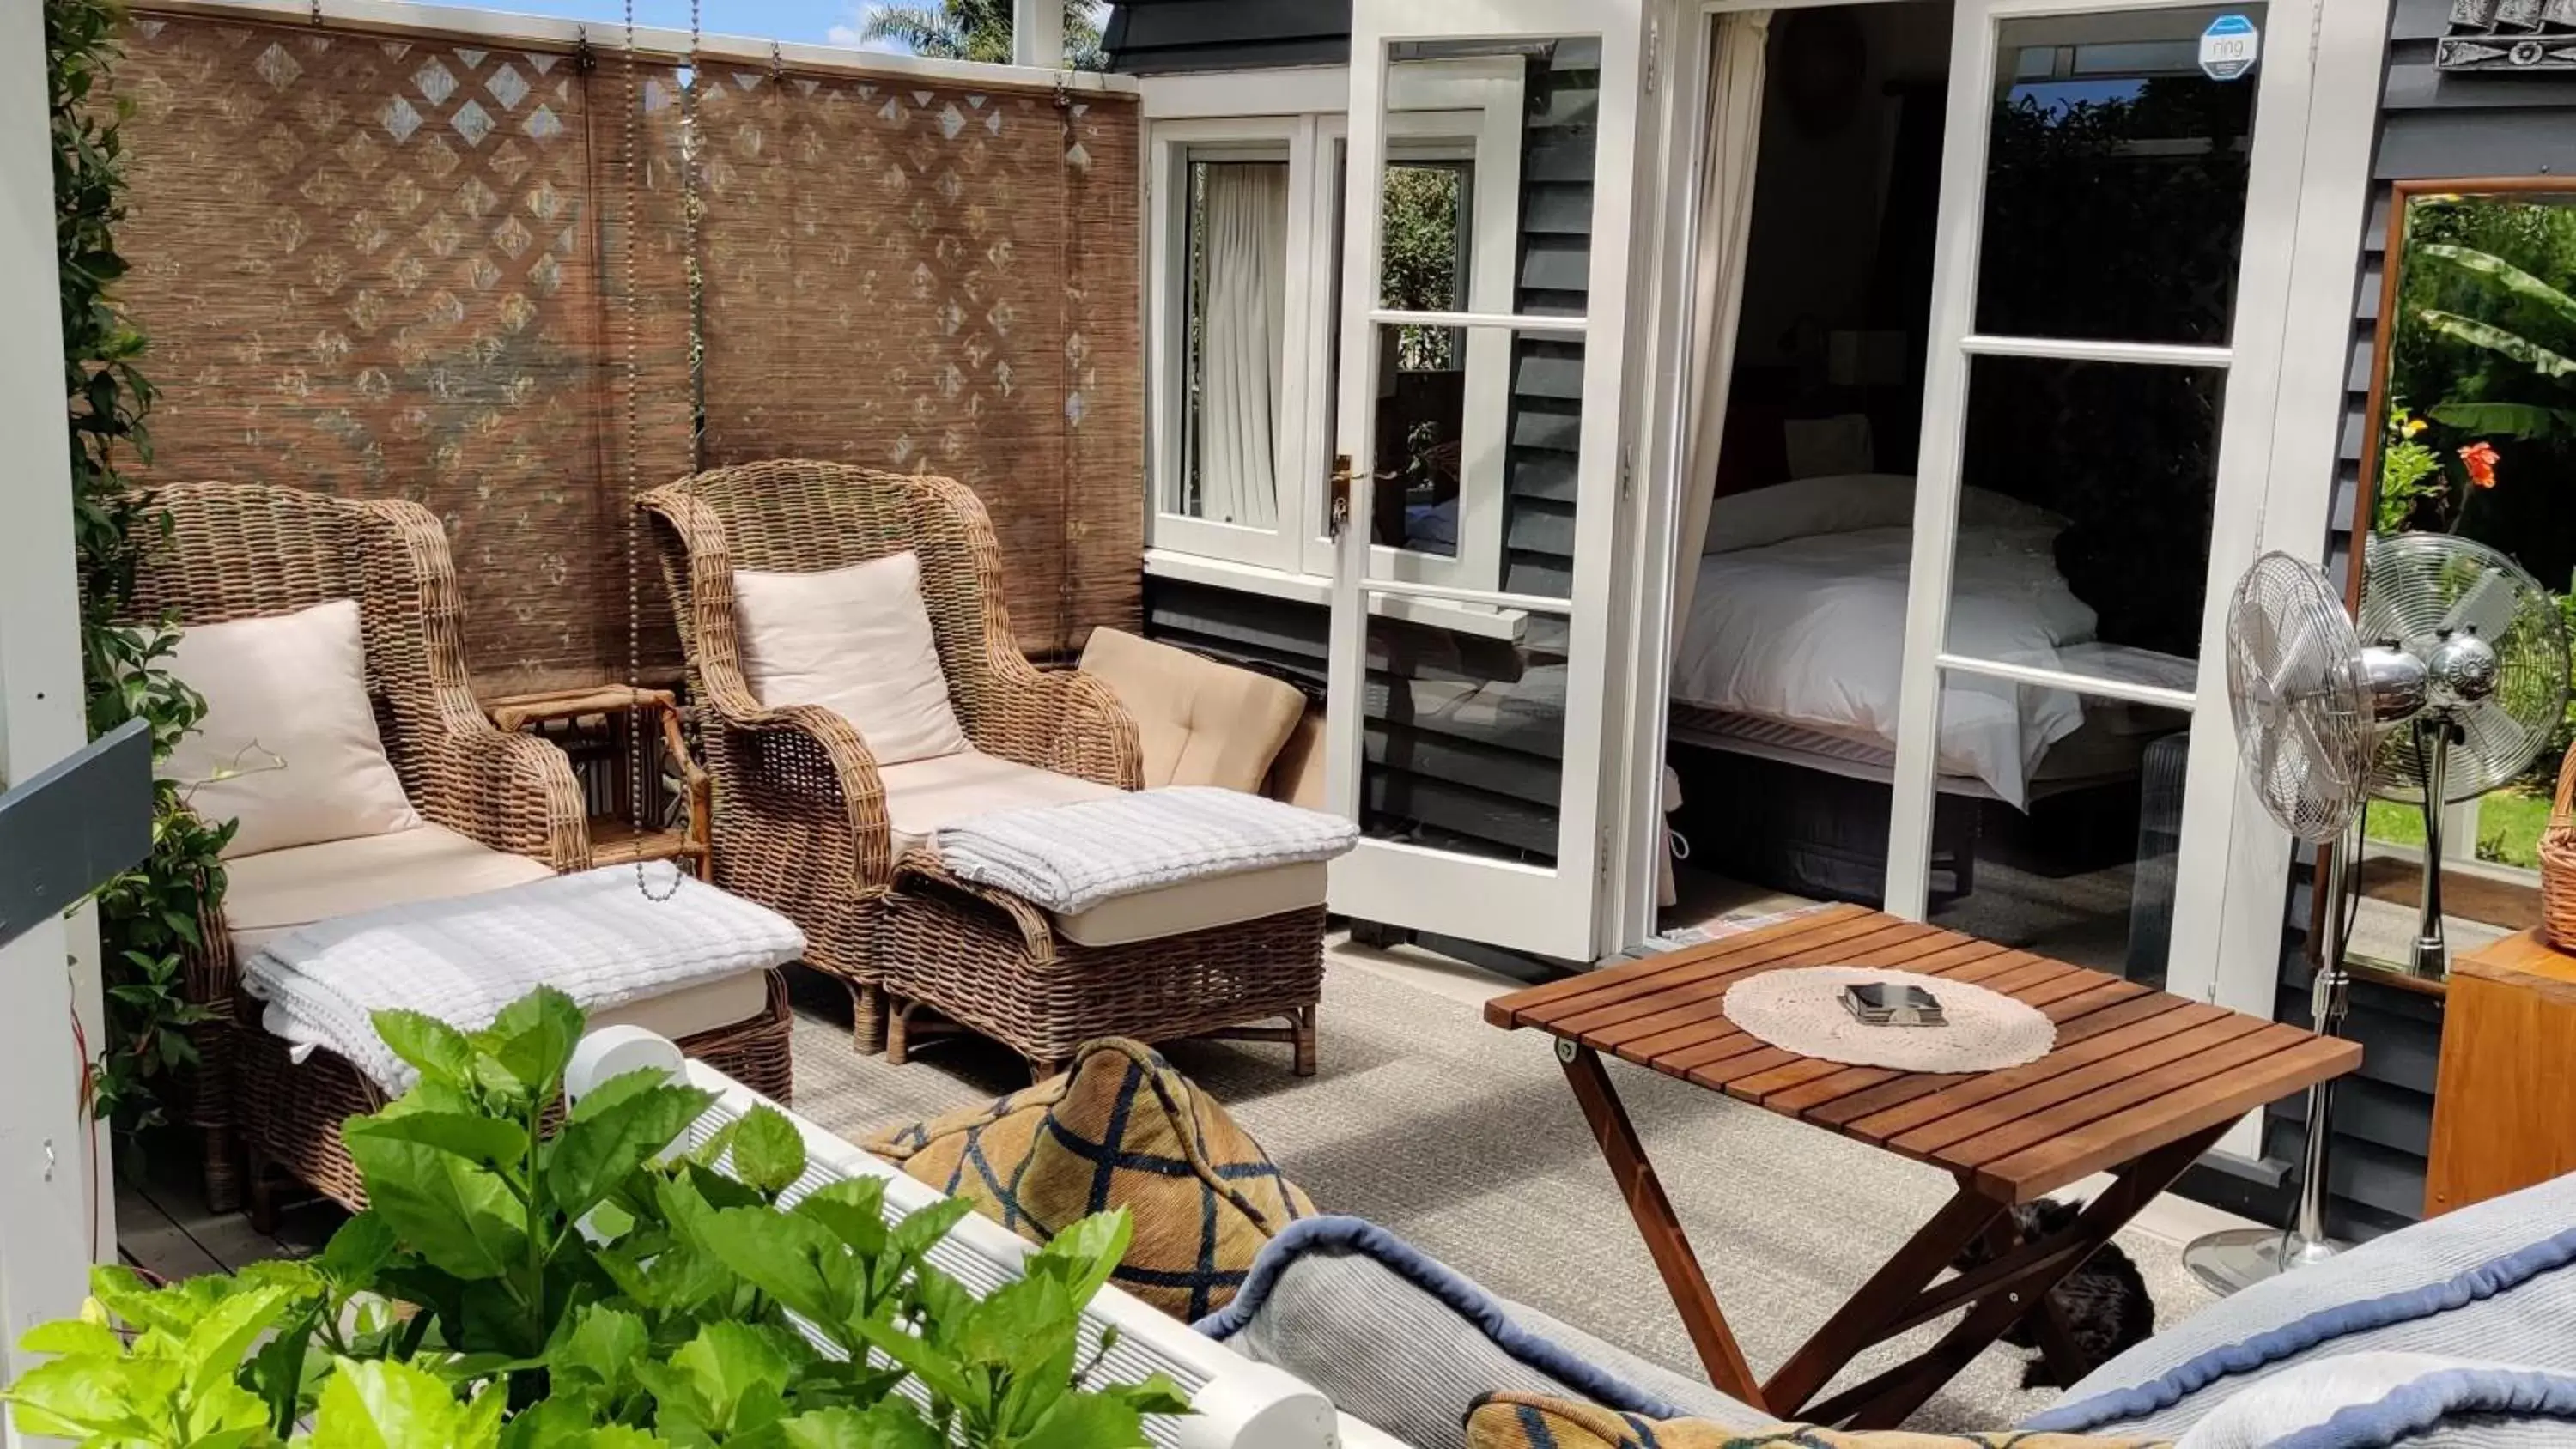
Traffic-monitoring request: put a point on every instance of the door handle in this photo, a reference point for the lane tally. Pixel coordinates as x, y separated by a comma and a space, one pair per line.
1337, 513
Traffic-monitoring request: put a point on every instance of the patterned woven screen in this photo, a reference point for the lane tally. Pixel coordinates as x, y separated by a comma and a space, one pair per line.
919, 278
391, 267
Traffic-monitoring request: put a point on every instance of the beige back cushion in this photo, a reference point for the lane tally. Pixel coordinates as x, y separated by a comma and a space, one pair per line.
857, 642
1198, 721
1297, 776
289, 724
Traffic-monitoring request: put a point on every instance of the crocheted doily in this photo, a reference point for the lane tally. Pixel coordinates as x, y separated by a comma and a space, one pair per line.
1801, 1010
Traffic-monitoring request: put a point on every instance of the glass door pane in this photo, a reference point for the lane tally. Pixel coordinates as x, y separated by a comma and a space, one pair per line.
1477, 404
2115, 178
2075, 426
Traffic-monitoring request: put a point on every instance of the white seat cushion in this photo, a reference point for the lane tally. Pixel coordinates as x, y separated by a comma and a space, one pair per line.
276, 891
703, 1006
856, 641
1196, 905
923, 795
286, 708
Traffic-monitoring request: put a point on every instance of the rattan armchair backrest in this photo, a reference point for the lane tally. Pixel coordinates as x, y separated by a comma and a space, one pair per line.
253, 550
808, 516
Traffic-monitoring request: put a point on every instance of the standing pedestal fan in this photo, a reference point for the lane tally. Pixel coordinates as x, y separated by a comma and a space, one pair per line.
2465, 673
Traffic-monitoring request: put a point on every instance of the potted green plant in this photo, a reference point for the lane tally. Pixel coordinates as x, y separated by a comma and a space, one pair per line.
532, 1278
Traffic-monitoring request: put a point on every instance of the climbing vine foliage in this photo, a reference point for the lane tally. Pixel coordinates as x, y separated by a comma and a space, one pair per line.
153, 918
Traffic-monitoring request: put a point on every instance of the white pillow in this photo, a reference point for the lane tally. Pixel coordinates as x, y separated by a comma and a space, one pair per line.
286, 706
1848, 504
856, 641
1985, 508
1842, 504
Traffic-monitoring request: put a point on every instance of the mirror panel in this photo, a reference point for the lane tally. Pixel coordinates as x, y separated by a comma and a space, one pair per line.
2473, 429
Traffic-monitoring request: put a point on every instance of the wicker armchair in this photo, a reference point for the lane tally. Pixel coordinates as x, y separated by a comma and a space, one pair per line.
239, 551
800, 813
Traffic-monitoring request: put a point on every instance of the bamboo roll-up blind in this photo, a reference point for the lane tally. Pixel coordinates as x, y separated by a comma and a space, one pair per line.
930, 278
399, 267
374, 267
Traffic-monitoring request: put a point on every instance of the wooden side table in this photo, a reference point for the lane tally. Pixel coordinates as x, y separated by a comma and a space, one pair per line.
592, 724
2504, 1101
2139, 1084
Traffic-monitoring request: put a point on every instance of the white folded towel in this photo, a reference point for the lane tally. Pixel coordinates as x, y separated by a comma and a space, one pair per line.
1069, 858
596, 936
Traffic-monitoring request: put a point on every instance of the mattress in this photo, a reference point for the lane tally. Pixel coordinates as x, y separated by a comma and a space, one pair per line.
1809, 631
2099, 751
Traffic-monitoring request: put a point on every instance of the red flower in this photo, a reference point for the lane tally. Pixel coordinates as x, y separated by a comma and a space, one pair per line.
2480, 459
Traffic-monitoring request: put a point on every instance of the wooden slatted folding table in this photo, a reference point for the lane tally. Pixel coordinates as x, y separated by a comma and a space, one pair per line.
2139, 1084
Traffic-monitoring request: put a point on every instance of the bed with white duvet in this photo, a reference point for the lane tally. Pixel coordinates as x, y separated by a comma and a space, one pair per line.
1799, 617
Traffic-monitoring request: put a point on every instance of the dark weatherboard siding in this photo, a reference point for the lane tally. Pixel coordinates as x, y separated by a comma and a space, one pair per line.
1150, 37
2431, 125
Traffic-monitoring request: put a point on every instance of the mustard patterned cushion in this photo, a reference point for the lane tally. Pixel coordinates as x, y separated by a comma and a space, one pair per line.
1532, 1421
1120, 1129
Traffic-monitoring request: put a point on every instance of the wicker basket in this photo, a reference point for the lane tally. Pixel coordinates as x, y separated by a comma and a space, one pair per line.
2558, 862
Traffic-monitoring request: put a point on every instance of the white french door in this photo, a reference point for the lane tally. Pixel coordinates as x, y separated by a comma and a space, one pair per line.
2119, 199
1472, 756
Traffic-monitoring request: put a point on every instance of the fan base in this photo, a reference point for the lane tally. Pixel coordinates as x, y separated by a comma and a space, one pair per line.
2243, 1257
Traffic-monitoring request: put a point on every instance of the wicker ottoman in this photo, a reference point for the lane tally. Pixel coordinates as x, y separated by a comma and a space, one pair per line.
290, 1113
1242, 959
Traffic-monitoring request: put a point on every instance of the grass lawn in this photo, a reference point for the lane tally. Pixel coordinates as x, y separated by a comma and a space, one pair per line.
2509, 825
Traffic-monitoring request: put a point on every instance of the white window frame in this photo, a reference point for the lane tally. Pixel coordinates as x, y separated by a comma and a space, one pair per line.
2221, 859
1173, 145
1477, 103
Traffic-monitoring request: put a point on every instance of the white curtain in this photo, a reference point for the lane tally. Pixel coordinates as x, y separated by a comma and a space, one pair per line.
1717, 289
1734, 141
1245, 253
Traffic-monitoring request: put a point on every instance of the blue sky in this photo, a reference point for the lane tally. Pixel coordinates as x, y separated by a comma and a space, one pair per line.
834, 21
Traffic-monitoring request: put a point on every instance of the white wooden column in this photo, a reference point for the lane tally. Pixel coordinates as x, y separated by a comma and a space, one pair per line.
1037, 33
49, 1149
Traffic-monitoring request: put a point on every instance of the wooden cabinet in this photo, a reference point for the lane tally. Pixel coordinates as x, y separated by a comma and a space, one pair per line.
2504, 1104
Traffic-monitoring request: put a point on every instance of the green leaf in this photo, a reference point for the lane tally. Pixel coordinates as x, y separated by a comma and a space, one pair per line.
2496, 273
563, 1420
533, 1037
594, 1153
358, 1251
1084, 1255
1156, 1395
217, 1344
914, 1235
2506, 419
1019, 1326
768, 1151
2497, 340
72, 1336
730, 1364
621, 1436
854, 1209
937, 1371
777, 1253
385, 1405
74, 1398
604, 1345
1088, 1421
121, 1291
439, 1052
890, 1423
476, 1137
462, 1219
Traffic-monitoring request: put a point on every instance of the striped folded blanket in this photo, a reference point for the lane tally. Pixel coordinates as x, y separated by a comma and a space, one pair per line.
594, 936
1069, 858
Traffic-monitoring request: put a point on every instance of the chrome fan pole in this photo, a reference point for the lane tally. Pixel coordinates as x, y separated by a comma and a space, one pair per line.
2241, 1257
2432, 954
